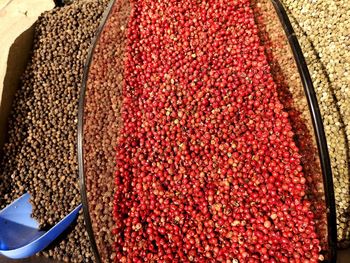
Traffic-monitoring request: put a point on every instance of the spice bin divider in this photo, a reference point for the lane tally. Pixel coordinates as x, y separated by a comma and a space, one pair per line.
314, 109
294, 82
80, 134
317, 125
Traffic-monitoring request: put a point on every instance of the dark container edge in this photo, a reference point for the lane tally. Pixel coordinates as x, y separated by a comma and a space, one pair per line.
80, 135
317, 125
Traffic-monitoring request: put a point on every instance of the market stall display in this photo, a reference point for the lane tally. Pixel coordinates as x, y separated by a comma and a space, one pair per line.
197, 129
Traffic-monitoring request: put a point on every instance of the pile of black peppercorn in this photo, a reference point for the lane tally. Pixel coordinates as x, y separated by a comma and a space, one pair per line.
40, 154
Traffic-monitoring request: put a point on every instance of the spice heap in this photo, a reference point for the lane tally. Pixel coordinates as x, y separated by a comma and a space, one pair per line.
101, 122
207, 168
323, 30
40, 156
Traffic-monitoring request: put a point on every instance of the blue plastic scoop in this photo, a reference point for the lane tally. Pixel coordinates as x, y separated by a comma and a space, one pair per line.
20, 236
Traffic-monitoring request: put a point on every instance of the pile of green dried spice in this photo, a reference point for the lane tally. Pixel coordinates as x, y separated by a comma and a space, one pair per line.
323, 30
40, 155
